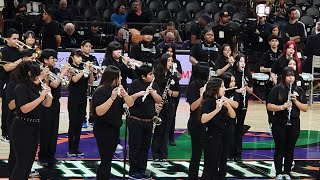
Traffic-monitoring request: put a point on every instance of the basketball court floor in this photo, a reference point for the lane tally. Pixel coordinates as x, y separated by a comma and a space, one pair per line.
257, 155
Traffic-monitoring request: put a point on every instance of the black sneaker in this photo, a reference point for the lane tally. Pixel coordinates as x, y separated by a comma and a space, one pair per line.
145, 175
79, 153
5, 139
43, 163
72, 153
136, 175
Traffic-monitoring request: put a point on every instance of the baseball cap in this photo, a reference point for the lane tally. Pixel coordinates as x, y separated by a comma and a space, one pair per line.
223, 14
206, 17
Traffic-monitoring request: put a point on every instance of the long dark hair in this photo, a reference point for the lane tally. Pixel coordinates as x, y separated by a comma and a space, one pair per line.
161, 65
113, 46
212, 88
75, 52
26, 72
226, 77
287, 71
109, 75
236, 64
168, 46
200, 75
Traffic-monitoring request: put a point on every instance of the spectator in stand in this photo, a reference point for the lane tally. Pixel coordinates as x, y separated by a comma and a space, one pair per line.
93, 35
51, 38
119, 18
169, 39
171, 27
197, 28
137, 16
295, 30
275, 30
70, 37
263, 31
279, 16
63, 14
312, 48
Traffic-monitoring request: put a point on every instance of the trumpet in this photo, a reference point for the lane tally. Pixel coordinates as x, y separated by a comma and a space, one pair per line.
55, 77
146, 94
44, 87
131, 64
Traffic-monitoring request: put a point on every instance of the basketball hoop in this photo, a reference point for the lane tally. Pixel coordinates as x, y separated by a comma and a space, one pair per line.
262, 10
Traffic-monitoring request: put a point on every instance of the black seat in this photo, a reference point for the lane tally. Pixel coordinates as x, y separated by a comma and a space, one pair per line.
183, 16
75, 11
101, 5
238, 17
164, 15
308, 22
117, 3
83, 4
199, 13
211, 7
230, 8
193, 6
304, 4
174, 6
155, 5
313, 12
156, 24
316, 3
107, 15
216, 16
90, 13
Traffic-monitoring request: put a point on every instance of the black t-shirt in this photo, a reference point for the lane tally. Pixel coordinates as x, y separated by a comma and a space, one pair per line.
162, 82
49, 31
72, 41
56, 92
299, 81
78, 90
145, 52
134, 18
113, 116
24, 94
248, 78
90, 58
10, 91
279, 65
146, 109
269, 57
193, 94
223, 34
218, 122
278, 96
205, 53
10, 54
196, 29
221, 62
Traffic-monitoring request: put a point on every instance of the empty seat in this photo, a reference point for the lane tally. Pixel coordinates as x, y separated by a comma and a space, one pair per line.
308, 22
238, 17
211, 7
230, 8
101, 4
304, 4
164, 15
174, 6
117, 3
155, 5
183, 16
313, 12
316, 3
83, 4
90, 13
107, 15
193, 6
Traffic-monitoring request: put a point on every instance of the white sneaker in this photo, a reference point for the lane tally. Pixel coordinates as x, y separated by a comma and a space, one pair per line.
279, 177
287, 177
34, 174
119, 149
5, 139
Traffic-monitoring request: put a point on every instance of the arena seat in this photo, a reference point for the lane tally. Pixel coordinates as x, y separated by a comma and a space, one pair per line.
211, 7
183, 16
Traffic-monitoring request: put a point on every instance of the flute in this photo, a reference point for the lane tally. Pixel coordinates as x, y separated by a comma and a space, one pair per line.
119, 88
243, 85
44, 87
147, 92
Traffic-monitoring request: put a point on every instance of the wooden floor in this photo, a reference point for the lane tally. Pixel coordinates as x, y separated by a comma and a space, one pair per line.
256, 118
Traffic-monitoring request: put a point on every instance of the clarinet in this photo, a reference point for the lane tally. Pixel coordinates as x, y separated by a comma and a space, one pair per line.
245, 92
289, 100
146, 94
125, 106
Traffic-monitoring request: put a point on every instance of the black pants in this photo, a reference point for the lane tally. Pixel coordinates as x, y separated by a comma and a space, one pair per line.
228, 146
285, 138
196, 131
77, 111
4, 113
173, 124
107, 138
161, 133
213, 147
241, 115
49, 127
140, 134
12, 157
24, 136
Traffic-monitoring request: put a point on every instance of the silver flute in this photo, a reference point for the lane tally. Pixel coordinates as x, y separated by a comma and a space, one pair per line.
243, 85
44, 87
289, 100
147, 92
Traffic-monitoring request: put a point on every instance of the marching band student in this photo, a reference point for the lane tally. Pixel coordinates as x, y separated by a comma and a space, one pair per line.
25, 126
170, 49
49, 127
195, 127
233, 99
245, 83
107, 111
167, 82
225, 60
215, 111
286, 125
144, 91
30, 38
77, 100
11, 53
290, 49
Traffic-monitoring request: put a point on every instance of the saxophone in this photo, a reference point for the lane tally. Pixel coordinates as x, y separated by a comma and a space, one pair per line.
156, 119
243, 85
289, 100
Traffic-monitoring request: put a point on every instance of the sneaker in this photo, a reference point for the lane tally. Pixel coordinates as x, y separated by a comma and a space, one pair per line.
72, 153
286, 177
119, 149
145, 175
279, 177
43, 163
84, 125
135, 176
79, 153
172, 143
34, 174
156, 162
5, 139
164, 162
